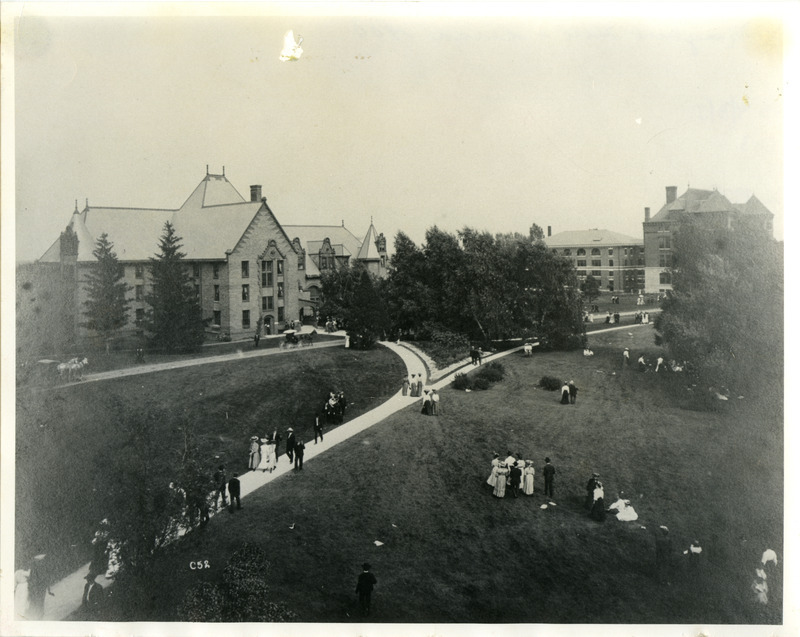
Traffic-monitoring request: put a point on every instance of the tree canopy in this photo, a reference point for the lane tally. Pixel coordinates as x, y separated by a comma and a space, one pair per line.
175, 319
106, 306
725, 313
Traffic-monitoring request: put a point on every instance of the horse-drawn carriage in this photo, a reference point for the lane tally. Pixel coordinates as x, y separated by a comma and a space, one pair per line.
294, 339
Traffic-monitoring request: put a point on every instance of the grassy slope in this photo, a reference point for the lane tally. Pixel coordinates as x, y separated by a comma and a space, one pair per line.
453, 553
67, 442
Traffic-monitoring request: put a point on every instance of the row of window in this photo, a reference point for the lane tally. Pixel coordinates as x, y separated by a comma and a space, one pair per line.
597, 273
581, 252
246, 317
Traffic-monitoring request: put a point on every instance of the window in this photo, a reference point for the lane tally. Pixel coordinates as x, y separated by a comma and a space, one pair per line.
611, 263
664, 278
280, 266
625, 262
581, 272
280, 315
581, 263
596, 273
280, 290
611, 286
595, 252
138, 271
596, 263
266, 274
197, 290
216, 293
196, 270
611, 252
217, 317
245, 269
245, 319
264, 303
641, 250
611, 274
301, 262
664, 243
216, 270
140, 293
665, 260
270, 302
641, 262
139, 315
245, 292
567, 252
581, 252
625, 250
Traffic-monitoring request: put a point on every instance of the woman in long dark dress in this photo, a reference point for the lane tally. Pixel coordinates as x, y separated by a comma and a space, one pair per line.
598, 511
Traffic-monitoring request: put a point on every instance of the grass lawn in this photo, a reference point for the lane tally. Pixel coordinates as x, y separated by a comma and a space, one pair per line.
454, 553
67, 443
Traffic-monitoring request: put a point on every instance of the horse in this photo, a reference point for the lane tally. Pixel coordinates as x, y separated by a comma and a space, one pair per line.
72, 369
306, 340
527, 349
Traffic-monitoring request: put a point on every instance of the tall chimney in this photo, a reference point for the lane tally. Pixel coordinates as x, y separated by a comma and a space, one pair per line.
549, 231
672, 192
647, 214
255, 192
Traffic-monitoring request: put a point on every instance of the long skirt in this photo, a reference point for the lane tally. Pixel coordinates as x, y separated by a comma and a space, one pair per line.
492, 480
565, 397
528, 482
255, 459
405, 388
263, 457
598, 510
500, 486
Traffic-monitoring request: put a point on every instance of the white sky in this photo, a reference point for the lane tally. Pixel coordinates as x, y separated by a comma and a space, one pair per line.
491, 122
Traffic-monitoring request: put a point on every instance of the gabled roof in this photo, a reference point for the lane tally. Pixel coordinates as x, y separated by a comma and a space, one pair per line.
753, 207
213, 190
594, 237
369, 247
208, 232
311, 237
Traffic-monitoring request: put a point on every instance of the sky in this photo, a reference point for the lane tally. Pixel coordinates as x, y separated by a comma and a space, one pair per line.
491, 122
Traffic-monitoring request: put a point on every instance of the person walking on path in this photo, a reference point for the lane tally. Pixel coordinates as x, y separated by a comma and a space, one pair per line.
92, 596
290, 442
366, 582
318, 429
38, 586
235, 490
405, 386
220, 483
549, 472
256, 338
255, 453
573, 392
299, 450
434, 402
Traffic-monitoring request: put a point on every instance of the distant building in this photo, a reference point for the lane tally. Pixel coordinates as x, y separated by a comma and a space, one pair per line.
249, 271
615, 260
707, 206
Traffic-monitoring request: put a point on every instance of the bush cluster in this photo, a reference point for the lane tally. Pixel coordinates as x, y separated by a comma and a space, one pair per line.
490, 373
550, 383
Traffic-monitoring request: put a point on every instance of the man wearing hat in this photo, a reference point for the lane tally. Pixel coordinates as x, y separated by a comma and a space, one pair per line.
235, 490
366, 582
549, 472
92, 595
290, 443
299, 450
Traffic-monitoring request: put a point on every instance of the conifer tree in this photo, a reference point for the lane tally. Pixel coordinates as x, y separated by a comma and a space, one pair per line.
106, 307
174, 318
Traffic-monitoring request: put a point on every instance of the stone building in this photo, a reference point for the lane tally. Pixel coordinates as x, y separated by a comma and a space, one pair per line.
700, 206
249, 273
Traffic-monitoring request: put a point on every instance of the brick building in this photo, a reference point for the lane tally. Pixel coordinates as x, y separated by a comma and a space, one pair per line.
615, 260
699, 206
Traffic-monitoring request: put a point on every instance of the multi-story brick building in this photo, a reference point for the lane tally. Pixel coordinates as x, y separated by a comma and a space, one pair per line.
615, 260
700, 206
247, 271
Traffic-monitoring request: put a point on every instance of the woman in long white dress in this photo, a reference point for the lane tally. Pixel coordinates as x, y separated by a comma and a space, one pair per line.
264, 464
527, 478
21, 594
492, 479
500, 483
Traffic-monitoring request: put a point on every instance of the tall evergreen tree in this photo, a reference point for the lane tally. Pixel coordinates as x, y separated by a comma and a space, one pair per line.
174, 318
106, 307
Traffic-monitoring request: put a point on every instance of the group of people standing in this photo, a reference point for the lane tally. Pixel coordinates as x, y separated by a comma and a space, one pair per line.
412, 386
513, 475
263, 453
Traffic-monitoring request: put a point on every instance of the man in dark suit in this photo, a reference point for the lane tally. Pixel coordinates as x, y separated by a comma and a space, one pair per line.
92, 595
299, 450
366, 582
290, 443
219, 486
549, 472
515, 475
235, 490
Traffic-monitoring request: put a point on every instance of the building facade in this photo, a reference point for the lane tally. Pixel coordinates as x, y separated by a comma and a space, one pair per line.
248, 272
703, 206
615, 260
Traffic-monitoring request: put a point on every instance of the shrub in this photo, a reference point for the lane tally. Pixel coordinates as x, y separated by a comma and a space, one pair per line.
550, 383
461, 381
493, 372
481, 383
